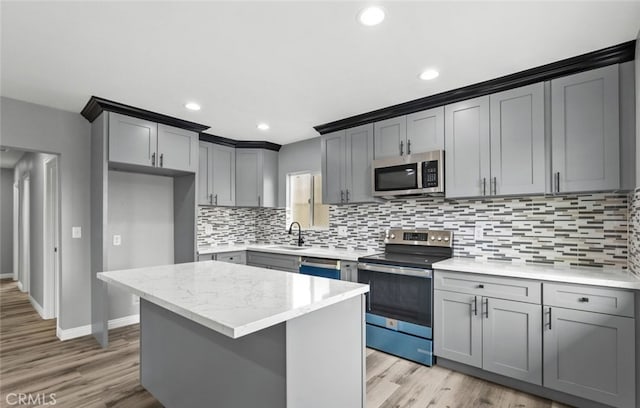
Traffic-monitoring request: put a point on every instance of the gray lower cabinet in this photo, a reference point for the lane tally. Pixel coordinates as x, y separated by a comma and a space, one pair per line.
346, 159
216, 175
457, 327
287, 263
585, 131
140, 142
256, 178
237, 257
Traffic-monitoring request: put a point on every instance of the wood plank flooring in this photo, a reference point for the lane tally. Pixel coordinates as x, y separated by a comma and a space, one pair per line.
81, 374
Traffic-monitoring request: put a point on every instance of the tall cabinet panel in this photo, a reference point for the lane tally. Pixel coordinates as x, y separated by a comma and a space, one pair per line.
425, 131
517, 141
224, 175
205, 182
248, 174
390, 137
467, 146
585, 131
132, 140
333, 167
359, 150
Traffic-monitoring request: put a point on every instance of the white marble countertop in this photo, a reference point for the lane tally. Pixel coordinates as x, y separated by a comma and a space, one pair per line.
232, 299
341, 254
609, 277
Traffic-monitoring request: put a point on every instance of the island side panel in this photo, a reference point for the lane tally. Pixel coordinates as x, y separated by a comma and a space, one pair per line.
326, 357
184, 364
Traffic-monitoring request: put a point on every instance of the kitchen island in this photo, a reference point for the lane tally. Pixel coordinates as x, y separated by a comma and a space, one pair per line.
227, 335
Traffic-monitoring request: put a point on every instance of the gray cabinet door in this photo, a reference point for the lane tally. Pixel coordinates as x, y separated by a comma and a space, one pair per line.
425, 131
332, 146
517, 141
359, 162
467, 148
512, 339
390, 137
268, 178
205, 182
248, 177
132, 140
585, 131
177, 149
457, 327
223, 175
590, 355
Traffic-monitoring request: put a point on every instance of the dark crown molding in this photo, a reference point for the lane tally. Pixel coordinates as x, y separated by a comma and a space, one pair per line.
97, 105
239, 144
607, 56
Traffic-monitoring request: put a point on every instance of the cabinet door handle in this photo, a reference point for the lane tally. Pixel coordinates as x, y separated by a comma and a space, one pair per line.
495, 185
215, 198
557, 182
484, 186
347, 195
475, 305
401, 148
342, 196
211, 199
259, 205
550, 319
408, 146
161, 159
486, 302
153, 159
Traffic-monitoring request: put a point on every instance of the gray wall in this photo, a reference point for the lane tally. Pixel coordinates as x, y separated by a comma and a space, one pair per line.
6, 221
295, 157
140, 210
32, 164
34, 127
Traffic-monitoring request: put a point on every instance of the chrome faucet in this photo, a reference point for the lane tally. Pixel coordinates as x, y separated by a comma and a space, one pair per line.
300, 240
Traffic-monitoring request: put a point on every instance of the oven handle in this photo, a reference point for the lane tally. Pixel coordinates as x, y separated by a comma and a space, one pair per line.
397, 270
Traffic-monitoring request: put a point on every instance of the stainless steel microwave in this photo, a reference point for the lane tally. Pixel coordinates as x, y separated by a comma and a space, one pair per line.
415, 174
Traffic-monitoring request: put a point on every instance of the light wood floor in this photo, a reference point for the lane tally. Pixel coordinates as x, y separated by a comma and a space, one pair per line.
81, 374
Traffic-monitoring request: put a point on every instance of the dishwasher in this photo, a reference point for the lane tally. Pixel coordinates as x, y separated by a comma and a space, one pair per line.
325, 268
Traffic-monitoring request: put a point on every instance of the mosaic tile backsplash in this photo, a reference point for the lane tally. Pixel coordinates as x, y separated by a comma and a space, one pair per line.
582, 229
634, 232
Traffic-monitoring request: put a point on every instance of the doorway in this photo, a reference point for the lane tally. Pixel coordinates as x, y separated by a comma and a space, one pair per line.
24, 241
51, 239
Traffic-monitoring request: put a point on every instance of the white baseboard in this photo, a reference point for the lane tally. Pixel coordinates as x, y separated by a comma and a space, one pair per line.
36, 306
20, 286
68, 334
6, 275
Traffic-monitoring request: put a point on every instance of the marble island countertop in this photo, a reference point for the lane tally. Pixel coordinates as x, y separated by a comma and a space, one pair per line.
341, 254
232, 299
608, 277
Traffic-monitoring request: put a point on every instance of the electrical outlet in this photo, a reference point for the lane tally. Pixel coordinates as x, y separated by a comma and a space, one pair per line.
342, 231
117, 240
208, 229
76, 232
478, 232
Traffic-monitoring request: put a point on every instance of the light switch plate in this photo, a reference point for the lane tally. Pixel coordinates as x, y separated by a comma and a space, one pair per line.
76, 232
342, 231
117, 240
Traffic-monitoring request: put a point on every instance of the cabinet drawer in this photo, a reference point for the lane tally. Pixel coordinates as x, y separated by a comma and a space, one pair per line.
522, 290
205, 257
238, 257
589, 298
289, 263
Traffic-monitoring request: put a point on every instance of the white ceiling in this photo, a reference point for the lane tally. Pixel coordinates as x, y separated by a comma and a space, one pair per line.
290, 64
9, 158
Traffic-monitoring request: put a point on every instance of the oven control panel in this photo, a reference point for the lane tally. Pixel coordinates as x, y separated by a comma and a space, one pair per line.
423, 237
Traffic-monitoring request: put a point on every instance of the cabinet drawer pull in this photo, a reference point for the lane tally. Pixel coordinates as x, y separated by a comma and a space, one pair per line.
584, 300
481, 286
153, 159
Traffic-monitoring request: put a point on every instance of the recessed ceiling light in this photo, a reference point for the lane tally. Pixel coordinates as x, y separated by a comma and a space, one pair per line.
429, 74
263, 126
371, 16
192, 106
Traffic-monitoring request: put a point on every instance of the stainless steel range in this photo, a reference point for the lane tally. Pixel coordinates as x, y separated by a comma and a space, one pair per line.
400, 299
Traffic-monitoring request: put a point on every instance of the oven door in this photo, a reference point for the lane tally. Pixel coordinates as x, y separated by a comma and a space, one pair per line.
398, 293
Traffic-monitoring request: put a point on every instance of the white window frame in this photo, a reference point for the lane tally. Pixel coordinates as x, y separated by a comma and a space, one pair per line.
289, 220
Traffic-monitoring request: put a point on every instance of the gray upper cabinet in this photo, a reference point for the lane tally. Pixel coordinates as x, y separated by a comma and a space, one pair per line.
256, 178
390, 137
467, 164
132, 140
590, 355
512, 344
177, 149
216, 175
346, 158
415, 133
585, 131
457, 323
425, 131
333, 158
517, 141
143, 143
